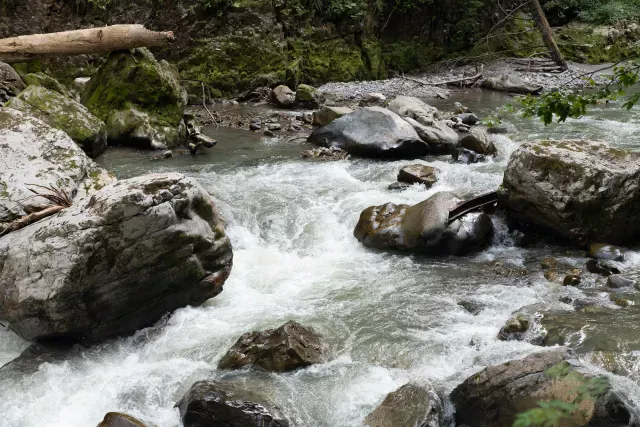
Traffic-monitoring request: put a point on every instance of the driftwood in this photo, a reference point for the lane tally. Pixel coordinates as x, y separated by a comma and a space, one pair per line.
541, 69
461, 80
93, 40
31, 218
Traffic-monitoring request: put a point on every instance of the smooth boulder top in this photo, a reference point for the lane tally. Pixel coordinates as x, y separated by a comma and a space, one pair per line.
409, 106
217, 403
64, 113
114, 262
32, 152
411, 405
372, 132
581, 191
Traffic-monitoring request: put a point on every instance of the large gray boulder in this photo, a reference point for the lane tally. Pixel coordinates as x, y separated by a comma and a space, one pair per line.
581, 191
512, 84
372, 132
424, 227
411, 405
64, 113
34, 153
409, 106
215, 403
286, 348
495, 395
140, 99
440, 138
10, 83
114, 262
478, 141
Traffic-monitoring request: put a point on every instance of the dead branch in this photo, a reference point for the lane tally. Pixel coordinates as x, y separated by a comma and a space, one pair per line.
461, 80
31, 218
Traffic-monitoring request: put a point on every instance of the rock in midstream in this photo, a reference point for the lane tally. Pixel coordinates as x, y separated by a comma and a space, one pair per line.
424, 228
580, 191
411, 405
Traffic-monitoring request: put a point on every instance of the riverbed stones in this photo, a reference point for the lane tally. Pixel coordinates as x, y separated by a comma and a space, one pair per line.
472, 307
289, 347
440, 138
606, 252
139, 98
411, 405
421, 174
581, 191
424, 227
32, 152
512, 84
215, 403
10, 83
114, 262
495, 395
117, 419
372, 132
478, 141
283, 97
328, 114
64, 113
372, 98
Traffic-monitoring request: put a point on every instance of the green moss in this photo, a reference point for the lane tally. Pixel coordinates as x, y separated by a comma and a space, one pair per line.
598, 44
41, 79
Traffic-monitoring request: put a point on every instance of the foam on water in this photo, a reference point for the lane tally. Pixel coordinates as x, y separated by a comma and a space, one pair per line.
388, 318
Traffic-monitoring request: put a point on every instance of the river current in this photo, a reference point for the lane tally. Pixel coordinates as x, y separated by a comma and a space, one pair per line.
388, 317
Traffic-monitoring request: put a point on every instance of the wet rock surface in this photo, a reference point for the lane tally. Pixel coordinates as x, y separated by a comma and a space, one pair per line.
578, 190
212, 403
411, 405
478, 141
418, 173
328, 114
117, 419
423, 228
289, 347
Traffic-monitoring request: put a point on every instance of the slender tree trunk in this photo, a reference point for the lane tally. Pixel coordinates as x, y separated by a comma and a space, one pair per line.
93, 40
547, 34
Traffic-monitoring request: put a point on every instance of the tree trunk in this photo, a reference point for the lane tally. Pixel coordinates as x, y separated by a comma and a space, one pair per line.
93, 40
547, 34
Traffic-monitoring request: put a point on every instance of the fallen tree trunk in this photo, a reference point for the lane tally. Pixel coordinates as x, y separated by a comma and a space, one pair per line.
547, 34
92, 40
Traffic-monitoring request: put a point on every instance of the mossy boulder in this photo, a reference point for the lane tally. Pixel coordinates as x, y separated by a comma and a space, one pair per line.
140, 99
305, 93
41, 79
62, 112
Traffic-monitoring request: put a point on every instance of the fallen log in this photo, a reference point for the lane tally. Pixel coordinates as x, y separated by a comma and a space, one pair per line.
31, 218
78, 42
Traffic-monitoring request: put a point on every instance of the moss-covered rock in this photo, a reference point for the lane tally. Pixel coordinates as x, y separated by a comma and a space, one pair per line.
139, 98
41, 79
62, 112
599, 44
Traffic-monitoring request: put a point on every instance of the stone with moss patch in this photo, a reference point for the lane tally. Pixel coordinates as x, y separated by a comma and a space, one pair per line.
41, 79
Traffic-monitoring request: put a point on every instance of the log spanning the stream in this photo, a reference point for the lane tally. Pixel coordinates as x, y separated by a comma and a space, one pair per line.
78, 42
471, 205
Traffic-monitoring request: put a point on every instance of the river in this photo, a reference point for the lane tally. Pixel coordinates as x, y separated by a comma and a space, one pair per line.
388, 318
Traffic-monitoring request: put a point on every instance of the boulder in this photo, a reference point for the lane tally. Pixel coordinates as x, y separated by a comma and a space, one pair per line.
10, 83
512, 84
619, 281
606, 252
440, 138
114, 262
328, 114
468, 119
495, 395
139, 98
602, 268
411, 405
372, 132
398, 186
409, 106
214, 403
571, 280
308, 97
283, 97
62, 112
35, 153
578, 190
116, 419
478, 141
289, 347
372, 98
48, 82
472, 307
424, 228
420, 174
514, 328
463, 155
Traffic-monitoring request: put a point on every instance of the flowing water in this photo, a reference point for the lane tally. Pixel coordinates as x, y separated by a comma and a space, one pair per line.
388, 318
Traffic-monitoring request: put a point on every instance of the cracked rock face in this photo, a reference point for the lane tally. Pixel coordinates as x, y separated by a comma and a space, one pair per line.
32, 152
115, 261
579, 190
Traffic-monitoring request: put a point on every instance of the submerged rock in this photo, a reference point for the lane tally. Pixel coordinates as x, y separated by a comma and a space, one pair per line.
328, 114
601, 267
139, 98
411, 405
214, 403
420, 174
117, 419
619, 281
114, 262
472, 307
398, 186
605, 251
424, 227
62, 112
512, 84
289, 347
495, 395
324, 153
581, 191
283, 97
478, 141
463, 155
371, 132
48, 82
34, 153
514, 328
